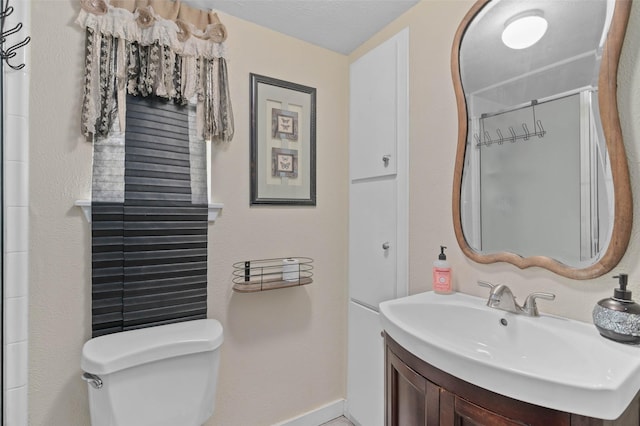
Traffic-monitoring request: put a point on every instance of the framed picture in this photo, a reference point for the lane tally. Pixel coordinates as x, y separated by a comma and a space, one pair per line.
284, 162
284, 124
283, 142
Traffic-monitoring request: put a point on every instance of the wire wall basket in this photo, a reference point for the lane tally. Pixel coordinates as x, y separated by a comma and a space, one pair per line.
269, 274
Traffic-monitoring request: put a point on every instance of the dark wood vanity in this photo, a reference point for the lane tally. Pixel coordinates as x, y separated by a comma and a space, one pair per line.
417, 393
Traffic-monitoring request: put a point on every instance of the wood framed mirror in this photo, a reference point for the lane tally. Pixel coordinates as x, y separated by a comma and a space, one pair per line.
541, 176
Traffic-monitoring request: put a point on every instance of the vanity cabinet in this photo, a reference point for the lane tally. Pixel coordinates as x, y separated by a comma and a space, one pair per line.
417, 393
411, 399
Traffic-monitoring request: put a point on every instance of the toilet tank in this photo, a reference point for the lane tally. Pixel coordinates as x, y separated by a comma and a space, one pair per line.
157, 376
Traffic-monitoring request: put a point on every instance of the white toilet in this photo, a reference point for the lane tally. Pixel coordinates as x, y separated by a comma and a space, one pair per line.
158, 376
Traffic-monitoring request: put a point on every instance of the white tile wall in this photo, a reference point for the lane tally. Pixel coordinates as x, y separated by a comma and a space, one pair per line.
15, 280
16, 224
16, 399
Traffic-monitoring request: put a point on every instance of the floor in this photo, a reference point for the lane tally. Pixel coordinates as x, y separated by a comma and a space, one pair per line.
340, 421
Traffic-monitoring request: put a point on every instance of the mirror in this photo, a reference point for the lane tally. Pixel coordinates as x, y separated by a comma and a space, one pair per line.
541, 176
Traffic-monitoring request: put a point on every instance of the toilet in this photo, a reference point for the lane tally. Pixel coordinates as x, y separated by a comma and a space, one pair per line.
157, 376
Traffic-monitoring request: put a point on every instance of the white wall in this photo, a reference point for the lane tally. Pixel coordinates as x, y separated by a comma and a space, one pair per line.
433, 143
16, 213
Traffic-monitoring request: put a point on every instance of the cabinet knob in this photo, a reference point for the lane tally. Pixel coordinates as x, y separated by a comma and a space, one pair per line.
386, 245
386, 159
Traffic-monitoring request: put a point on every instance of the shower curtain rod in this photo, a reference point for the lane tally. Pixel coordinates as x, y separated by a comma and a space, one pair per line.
484, 138
535, 102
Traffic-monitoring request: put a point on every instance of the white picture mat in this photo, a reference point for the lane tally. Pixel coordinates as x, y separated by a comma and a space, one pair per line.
270, 97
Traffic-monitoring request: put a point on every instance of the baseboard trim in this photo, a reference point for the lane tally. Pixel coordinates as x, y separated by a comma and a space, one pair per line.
318, 416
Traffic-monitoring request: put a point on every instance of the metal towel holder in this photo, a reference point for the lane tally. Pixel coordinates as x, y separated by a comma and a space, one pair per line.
11, 52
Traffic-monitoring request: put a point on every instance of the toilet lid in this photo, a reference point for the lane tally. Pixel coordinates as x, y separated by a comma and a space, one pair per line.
117, 351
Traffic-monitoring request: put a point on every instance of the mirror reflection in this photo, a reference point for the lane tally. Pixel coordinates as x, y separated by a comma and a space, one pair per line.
537, 178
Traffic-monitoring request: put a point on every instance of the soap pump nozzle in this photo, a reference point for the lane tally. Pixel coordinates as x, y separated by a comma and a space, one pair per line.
442, 256
621, 293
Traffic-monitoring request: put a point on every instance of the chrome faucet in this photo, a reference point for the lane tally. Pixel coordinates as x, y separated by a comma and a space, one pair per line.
502, 298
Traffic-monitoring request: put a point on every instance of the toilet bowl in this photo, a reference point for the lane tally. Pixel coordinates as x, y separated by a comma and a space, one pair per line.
157, 376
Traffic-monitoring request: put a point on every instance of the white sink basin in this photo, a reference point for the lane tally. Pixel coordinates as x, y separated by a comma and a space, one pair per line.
549, 361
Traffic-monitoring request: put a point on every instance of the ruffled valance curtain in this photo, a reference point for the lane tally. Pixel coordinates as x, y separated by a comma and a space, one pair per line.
154, 47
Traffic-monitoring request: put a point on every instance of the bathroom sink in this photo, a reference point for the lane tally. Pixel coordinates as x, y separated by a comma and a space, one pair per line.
549, 361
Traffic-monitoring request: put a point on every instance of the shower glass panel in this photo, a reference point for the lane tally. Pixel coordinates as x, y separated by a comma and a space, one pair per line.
541, 172
522, 197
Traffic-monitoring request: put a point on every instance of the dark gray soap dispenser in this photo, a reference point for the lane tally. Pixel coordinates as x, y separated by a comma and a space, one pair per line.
618, 317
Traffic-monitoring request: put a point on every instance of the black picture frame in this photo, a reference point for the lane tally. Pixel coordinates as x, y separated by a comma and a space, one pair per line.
271, 98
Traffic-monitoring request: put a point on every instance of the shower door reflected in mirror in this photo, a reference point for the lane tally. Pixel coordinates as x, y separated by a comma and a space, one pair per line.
540, 179
539, 195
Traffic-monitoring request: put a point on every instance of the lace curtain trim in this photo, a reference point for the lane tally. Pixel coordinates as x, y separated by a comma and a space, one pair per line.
146, 27
143, 54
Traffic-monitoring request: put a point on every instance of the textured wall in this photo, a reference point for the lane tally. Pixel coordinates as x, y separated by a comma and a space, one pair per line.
284, 351
433, 142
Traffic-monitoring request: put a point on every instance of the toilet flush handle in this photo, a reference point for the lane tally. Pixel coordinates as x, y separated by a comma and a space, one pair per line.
93, 380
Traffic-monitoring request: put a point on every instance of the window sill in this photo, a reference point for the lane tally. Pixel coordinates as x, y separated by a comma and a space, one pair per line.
85, 205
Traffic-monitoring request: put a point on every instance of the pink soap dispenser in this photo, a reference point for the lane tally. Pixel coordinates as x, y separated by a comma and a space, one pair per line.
442, 283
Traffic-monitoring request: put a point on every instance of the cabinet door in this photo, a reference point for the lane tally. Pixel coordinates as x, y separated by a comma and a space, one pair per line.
459, 412
365, 372
378, 92
411, 399
372, 224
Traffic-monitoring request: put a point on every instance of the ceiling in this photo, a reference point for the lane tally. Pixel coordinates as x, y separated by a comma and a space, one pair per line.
564, 60
337, 25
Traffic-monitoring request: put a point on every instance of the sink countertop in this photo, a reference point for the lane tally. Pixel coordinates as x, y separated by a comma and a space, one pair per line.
549, 361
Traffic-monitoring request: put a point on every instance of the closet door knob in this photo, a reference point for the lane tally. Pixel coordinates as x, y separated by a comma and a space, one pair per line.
385, 246
386, 159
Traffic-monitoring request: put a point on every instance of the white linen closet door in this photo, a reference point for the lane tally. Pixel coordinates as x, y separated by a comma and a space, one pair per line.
372, 227
378, 216
373, 112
